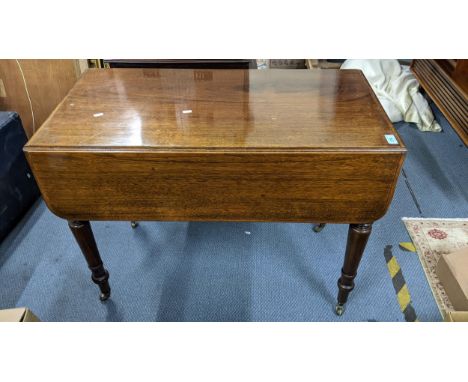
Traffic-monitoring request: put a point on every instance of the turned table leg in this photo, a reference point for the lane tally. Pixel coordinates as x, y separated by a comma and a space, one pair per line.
85, 238
358, 235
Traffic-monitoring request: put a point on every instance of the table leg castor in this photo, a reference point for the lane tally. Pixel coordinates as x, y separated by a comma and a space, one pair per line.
318, 227
134, 224
104, 296
339, 309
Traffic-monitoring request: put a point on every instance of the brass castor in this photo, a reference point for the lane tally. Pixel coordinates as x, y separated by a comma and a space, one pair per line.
104, 296
318, 227
339, 309
134, 224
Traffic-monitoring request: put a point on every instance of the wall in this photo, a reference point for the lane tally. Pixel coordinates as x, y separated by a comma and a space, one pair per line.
46, 81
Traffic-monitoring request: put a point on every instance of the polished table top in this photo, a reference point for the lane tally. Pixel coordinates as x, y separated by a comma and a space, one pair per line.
165, 109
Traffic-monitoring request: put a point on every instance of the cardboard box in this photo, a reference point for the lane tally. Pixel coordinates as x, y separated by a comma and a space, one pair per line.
452, 270
456, 316
18, 315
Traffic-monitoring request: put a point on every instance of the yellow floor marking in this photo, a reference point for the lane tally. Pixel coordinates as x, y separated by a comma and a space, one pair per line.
393, 267
408, 246
404, 297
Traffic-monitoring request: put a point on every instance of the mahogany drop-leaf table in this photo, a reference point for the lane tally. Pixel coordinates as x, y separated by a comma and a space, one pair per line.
218, 145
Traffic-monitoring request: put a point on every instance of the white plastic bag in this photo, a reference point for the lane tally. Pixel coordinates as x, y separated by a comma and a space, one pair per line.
398, 91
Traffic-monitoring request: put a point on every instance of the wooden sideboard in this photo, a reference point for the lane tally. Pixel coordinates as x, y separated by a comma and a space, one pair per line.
446, 83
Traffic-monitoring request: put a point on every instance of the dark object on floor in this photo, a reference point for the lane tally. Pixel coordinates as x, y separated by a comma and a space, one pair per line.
18, 189
446, 82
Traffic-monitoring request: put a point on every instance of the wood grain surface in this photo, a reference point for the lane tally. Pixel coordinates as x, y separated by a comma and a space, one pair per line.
322, 187
205, 109
279, 145
47, 81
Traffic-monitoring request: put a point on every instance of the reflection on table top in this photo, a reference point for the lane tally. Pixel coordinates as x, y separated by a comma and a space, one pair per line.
218, 109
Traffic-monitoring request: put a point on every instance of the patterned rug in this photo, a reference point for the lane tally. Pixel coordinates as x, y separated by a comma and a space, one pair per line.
432, 238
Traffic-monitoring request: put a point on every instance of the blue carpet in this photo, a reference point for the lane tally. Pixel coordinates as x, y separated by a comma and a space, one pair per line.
236, 271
